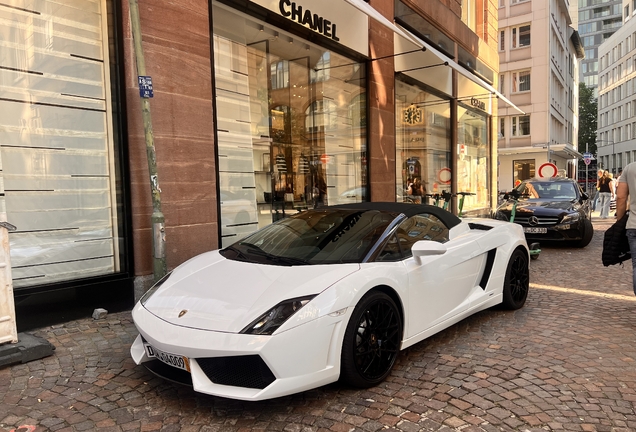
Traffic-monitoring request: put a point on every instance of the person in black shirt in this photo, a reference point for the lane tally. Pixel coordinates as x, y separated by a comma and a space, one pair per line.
606, 193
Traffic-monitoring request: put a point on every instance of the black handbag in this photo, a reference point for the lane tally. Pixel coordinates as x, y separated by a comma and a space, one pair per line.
615, 244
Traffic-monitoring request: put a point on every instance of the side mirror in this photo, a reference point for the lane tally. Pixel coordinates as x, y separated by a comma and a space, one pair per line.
585, 196
424, 248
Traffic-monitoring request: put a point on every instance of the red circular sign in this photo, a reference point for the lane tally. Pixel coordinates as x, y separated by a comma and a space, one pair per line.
324, 158
444, 176
548, 170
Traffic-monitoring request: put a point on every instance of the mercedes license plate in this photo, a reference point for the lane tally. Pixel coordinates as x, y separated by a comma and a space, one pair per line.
533, 230
180, 362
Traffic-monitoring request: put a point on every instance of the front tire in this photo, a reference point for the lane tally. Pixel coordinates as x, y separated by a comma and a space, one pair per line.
372, 341
517, 281
588, 233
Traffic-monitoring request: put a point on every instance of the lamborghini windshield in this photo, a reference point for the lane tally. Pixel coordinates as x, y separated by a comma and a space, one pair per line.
320, 236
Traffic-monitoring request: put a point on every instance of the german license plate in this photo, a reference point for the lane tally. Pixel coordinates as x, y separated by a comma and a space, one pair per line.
533, 230
180, 362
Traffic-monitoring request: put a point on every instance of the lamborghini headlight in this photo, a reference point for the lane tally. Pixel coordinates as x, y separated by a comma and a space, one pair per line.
271, 320
154, 288
571, 218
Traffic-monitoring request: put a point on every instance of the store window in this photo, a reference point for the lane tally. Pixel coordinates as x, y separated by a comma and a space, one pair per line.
472, 158
291, 124
523, 170
423, 143
59, 141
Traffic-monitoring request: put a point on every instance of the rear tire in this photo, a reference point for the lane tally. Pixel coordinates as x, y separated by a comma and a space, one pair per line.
372, 341
517, 281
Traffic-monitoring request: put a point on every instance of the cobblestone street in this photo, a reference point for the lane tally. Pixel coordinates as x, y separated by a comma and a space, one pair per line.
566, 361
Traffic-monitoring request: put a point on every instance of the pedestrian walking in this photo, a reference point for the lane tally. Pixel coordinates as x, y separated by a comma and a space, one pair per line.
626, 202
599, 174
605, 192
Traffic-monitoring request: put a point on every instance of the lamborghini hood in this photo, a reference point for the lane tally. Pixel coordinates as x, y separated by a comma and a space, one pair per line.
211, 292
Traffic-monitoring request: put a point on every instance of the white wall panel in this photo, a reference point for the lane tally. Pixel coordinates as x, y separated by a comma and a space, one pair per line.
56, 139
236, 166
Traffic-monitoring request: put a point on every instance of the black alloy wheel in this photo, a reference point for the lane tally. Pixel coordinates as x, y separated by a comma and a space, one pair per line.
372, 341
517, 281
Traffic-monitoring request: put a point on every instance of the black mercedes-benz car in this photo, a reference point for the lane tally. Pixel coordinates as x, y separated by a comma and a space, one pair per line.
550, 209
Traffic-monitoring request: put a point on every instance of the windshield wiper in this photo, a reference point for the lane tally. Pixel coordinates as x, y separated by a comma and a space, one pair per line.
255, 250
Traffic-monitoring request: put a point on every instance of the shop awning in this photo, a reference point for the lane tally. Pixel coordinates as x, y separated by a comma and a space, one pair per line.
565, 151
460, 69
423, 45
372, 13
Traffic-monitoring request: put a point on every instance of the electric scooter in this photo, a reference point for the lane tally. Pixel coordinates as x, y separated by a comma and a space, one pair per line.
514, 195
460, 204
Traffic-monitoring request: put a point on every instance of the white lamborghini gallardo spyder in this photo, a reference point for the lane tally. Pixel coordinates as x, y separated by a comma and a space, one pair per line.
327, 294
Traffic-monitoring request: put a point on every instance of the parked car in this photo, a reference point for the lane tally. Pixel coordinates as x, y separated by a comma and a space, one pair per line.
326, 294
551, 209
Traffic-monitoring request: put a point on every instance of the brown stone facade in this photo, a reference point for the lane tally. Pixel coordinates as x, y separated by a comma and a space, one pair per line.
446, 15
176, 43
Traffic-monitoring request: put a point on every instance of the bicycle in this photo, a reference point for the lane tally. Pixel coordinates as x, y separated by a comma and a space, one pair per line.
514, 196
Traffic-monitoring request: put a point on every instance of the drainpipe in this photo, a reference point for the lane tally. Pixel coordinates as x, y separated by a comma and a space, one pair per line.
157, 218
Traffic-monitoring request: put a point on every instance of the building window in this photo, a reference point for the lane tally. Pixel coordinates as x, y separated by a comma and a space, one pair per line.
502, 127
520, 126
469, 14
473, 158
521, 36
523, 170
520, 81
502, 80
423, 141
282, 149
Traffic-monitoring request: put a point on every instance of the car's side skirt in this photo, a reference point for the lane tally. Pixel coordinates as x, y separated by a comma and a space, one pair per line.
491, 301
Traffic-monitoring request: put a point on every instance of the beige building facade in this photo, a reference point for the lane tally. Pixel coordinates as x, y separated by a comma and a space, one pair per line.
539, 53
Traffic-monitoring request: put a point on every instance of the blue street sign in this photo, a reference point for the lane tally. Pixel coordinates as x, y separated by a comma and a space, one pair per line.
145, 86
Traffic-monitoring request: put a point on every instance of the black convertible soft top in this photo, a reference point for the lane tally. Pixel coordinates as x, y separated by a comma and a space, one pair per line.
449, 219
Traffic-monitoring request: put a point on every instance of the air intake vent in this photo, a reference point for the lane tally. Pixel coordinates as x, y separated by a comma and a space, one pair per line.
239, 371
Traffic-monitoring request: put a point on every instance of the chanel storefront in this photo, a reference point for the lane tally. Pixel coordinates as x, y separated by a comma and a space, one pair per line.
291, 110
